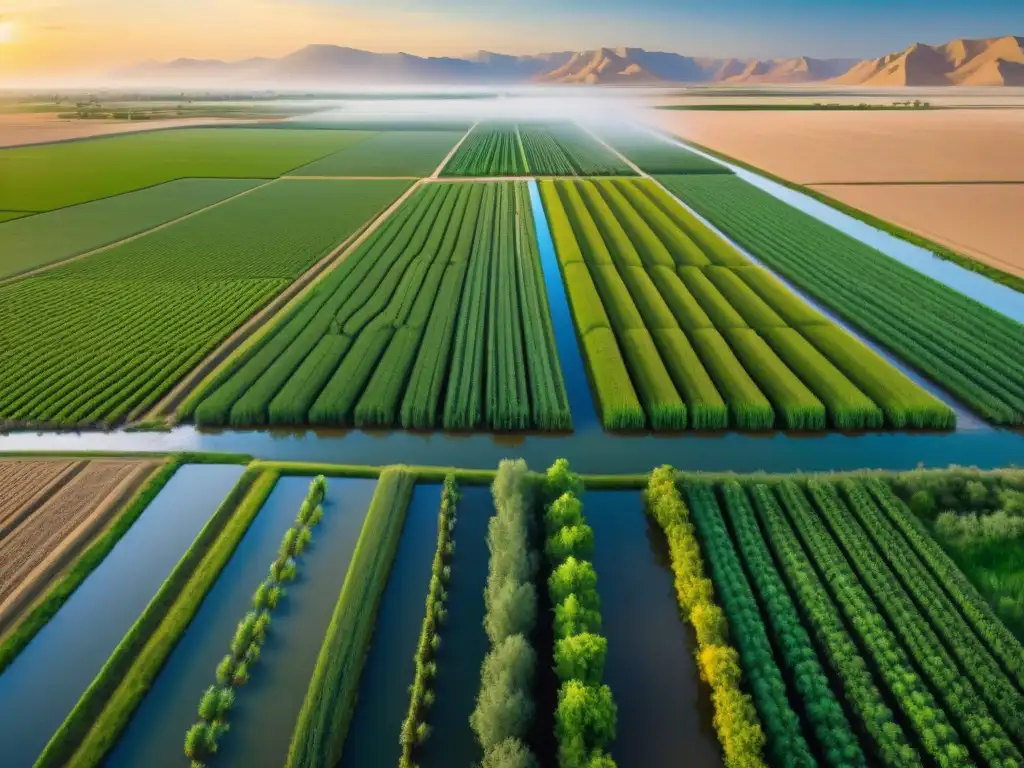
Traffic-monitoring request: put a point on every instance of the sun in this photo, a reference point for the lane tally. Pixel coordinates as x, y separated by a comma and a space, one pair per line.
6, 32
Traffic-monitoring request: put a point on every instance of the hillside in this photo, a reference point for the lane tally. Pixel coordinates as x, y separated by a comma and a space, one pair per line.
992, 61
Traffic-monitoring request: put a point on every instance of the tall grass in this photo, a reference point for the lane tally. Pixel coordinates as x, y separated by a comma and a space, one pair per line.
665, 409
566, 247
616, 299
722, 313
622, 249
234, 669
584, 300
652, 306
616, 396
748, 407
685, 308
790, 307
650, 248
848, 407
794, 403
704, 406
319, 735
685, 252
415, 729
903, 402
592, 244
751, 307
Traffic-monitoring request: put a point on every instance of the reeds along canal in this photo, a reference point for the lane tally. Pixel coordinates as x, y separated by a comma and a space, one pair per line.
266, 707
463, 640
46, 680
383, 701
664, 710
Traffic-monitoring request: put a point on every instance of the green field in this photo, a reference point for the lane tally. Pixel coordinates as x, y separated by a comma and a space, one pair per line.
92, 340
707, 339
533, 149
655, 155
11, 215
394, 153
49, 176
48, 237
439, 319
974, 352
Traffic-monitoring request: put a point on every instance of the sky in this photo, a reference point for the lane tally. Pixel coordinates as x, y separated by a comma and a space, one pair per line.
51, 37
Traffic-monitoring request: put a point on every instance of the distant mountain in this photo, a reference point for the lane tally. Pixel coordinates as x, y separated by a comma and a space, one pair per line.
992, 61
996, 61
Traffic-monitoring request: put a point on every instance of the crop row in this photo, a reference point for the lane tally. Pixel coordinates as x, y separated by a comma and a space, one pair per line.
971, 350
654, 154
679, 329
319, 735
564, 149
585, 715
415, 728
439, 319
167, 299
490, 149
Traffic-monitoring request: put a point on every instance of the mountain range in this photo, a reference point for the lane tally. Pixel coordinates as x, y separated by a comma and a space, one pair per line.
992, 61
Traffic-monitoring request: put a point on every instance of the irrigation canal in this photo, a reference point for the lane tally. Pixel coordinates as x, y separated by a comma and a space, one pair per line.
267, 706
46, 680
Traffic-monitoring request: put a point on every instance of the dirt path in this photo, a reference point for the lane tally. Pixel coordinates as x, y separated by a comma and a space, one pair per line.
58, 531
249, 332
26, 485
87, 254
450, 155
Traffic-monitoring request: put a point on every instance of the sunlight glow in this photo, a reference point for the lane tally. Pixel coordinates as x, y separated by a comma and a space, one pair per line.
6, 32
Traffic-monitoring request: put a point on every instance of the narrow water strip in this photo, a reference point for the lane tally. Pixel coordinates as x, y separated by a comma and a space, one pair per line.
665, 711
463, 640
581, 402
383, 702
156, 733
42, 686
974, 285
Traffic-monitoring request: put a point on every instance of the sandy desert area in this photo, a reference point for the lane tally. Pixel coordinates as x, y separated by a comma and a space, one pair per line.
41, 128
885, 156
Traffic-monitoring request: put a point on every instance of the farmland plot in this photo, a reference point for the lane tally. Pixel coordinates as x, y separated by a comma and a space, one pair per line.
654, 155
95, 339
48, 237
390, 153
565, 149
490, 149
969, 349
45, 177
439, 319
679, 329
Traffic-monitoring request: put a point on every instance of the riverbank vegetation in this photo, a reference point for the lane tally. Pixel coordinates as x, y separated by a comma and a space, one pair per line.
505, 707
234, 669
415, 728
586, 713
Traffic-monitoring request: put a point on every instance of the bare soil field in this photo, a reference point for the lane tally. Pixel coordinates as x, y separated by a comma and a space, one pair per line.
17, 130
57, 530
983, 221
24, 485
844, 147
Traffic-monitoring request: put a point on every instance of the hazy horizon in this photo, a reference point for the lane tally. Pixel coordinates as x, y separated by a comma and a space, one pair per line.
53, 38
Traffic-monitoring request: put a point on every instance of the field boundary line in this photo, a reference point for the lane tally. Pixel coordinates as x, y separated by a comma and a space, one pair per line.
39, 578
9, 525
348, 178
130, 238
263, 321
633, 166
451, 154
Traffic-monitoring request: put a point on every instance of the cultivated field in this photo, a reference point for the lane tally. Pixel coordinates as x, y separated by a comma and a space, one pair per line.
651, 155
679, 329
978, 220
50, 510
439, 319
43, 178
166, 302
971, 350
40, 128
48, 237
392, 153
895, 151
533, 149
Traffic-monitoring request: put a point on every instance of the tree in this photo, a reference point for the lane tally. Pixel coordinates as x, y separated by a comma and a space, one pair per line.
565, 511
572, 541
581, 657
560, 480
510, 753
574, 576
584, 722
512, 610
572, 618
